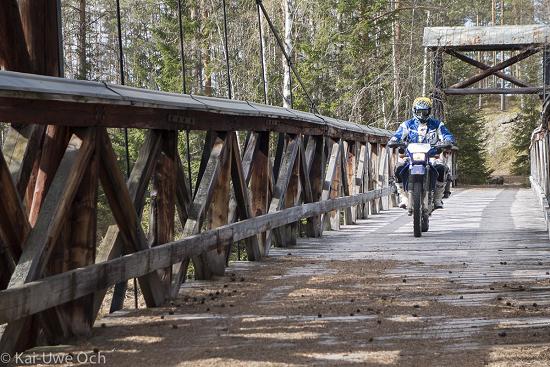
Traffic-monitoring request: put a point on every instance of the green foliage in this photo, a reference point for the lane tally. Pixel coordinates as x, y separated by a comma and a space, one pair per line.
528, 120
466, 124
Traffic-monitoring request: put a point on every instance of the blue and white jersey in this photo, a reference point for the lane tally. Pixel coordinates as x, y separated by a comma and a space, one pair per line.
412, 131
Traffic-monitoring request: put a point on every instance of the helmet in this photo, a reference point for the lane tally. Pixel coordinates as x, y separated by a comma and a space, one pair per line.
422, 107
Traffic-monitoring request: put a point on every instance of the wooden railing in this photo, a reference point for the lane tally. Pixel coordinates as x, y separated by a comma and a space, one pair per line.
540, 161
295, 170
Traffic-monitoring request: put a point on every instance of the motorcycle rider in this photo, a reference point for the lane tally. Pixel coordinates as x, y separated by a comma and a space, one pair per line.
422, 129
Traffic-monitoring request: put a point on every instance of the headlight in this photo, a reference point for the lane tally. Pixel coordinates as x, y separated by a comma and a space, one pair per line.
419, 156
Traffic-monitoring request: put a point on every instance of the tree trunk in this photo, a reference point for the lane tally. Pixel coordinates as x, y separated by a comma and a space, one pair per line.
396, 31
288, 8
82, 64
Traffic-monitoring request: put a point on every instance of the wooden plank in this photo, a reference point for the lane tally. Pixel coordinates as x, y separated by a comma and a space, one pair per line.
315, 165
55, 141
22, 149
286, 235
79, 250
212, 263
483, 66
502, 65
360, 176
286, 170
347, 160
373, 176
14, 225
38, 245
77, 283
126, 217
183, 192
470, 91
201, 201
238, 177
14, 55
333, 222
260, 184
114, 242
334, 157
508, 37
163, 198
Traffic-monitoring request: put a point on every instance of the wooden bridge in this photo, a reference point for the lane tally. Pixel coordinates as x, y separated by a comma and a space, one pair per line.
332, 273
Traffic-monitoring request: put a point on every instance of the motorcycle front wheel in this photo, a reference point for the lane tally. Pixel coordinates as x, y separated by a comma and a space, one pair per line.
417, 209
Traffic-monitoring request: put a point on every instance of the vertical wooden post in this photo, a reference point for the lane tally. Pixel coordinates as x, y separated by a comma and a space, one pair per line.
438, 95
288, 233
335, 190
351, 166
212, 199
383, 177
373, 176
80, 248
259, 182
316, 168
163, 198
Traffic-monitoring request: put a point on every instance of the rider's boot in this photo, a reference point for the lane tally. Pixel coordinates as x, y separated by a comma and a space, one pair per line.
438, 194
403, 195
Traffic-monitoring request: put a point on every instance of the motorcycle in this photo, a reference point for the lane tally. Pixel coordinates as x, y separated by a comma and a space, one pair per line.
419, 185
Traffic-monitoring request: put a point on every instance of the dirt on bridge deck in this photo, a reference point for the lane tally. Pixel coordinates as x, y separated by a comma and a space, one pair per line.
473, 291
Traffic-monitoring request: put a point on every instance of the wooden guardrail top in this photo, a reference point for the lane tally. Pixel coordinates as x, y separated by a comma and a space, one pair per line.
29, 98
507, 37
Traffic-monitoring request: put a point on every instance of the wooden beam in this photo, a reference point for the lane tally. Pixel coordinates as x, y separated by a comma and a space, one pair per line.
260, 183
40, 241
114, 242
55, 142
334, 157
286, 170
490, 71
14, 55
14, 225
483, 66
183, 192
126, 217
238, 177
315, 163
212, 263
348, 168
22, 149
360, 176
61, 288
201, 201
469, 91
78, 250
163, 198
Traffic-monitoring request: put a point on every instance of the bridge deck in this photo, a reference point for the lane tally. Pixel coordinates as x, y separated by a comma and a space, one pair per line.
473, 290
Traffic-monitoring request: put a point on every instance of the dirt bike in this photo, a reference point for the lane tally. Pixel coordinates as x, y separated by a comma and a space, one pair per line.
421, 194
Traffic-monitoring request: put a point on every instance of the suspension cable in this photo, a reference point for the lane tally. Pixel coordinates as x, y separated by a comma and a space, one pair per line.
262, 56
184, 91
229, 92
122, 286
182, 53
287, 57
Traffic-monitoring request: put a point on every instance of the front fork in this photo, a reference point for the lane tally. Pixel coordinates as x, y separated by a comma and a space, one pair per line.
427, 193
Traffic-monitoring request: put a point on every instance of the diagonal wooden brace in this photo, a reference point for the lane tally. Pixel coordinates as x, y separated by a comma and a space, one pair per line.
490, 71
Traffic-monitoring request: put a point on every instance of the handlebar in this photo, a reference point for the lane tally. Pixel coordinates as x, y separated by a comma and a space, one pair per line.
439, 145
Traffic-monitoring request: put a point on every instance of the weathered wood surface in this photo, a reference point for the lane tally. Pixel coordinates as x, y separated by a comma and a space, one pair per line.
508, 37
37, 99
483, 66
371, 294
58, 289
469, 91
500, 66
